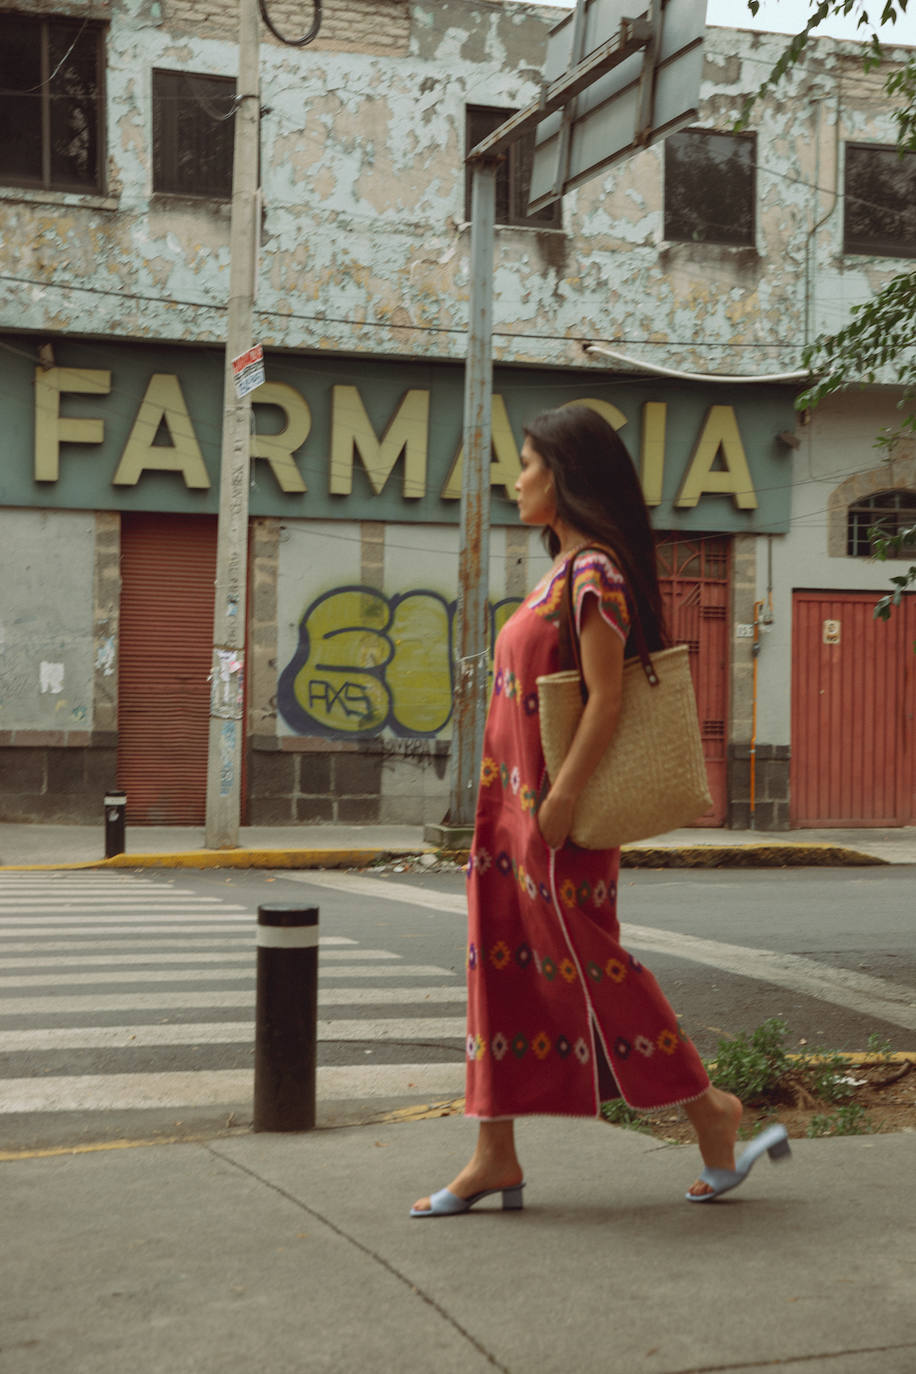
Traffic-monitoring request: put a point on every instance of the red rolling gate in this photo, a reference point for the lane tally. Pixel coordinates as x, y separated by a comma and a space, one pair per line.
694, 576
853, 705
168, 569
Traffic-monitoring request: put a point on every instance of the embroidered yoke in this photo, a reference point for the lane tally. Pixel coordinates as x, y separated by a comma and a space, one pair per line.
553, 998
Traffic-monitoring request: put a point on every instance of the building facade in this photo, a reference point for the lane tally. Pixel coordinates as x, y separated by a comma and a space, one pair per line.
712, 258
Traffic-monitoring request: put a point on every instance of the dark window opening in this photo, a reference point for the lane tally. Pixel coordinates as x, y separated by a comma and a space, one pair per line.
51, 103
710, 187
879, 205
890, 512
513, 177
193, 134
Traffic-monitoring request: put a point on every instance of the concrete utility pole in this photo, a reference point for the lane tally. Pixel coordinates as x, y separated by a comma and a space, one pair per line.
473, 629
224, 763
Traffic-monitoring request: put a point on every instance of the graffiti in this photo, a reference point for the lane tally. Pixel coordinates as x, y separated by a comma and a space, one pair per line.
367, 663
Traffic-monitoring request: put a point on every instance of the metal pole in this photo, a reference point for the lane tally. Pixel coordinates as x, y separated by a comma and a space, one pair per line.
115, 813
224, 762
286, 1019
473, 630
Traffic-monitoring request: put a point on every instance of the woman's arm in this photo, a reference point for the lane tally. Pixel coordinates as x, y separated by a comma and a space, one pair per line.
602, 667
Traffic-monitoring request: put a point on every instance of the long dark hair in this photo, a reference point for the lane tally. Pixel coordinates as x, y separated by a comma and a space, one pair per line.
598, 494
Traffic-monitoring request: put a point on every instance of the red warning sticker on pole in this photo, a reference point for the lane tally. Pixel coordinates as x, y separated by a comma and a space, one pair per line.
248, 370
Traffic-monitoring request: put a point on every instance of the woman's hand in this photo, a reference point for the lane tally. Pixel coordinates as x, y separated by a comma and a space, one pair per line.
555, 818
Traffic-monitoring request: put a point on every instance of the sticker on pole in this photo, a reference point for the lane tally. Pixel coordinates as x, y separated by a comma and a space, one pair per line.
248, 371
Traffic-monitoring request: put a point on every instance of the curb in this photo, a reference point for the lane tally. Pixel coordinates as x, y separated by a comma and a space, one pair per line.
228, 858
778, 855
747, 856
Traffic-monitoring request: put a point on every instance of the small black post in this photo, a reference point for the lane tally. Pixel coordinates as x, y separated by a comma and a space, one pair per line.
286, 1019
115, 810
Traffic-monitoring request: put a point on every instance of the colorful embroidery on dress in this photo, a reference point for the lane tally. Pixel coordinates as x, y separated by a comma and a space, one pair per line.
596, 575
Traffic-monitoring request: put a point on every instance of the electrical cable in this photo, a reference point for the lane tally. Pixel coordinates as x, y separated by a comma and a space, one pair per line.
308, 37
42, 85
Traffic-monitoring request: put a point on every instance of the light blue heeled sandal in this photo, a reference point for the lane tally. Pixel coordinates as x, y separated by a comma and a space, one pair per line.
448, 1204
774, 1141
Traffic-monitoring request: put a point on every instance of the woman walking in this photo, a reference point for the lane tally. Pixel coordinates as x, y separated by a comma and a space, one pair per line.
560, 1016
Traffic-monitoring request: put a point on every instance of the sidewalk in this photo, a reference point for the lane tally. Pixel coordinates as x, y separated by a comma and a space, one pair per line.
335, 846
295, 1253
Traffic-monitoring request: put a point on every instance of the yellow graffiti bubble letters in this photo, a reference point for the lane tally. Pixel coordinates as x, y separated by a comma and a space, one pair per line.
341, 685
419, 675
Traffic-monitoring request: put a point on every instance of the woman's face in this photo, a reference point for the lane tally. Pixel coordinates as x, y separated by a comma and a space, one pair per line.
537, 502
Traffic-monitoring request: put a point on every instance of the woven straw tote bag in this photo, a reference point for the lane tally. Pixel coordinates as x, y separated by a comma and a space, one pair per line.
652, 776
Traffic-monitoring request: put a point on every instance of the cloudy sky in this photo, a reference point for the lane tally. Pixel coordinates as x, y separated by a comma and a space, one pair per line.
789, 16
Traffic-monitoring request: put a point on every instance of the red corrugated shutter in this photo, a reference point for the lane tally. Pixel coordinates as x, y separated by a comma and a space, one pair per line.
694, 577
853, 698
168, 568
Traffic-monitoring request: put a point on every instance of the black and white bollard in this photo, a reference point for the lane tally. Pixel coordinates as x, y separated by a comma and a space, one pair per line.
115, 812
286, 1019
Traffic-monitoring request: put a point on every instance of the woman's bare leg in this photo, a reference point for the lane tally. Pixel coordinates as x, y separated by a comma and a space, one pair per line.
715, 1117
494, 1163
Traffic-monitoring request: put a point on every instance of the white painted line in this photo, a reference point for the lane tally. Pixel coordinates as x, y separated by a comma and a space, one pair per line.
92, 1003
177, 956
94, 918
95, 882
856, 991
38, 980
222, 1087
162, 944
407, 1030
405, 893
26, 906
65, 925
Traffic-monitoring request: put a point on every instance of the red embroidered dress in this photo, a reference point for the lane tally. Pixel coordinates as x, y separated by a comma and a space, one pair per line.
549, 985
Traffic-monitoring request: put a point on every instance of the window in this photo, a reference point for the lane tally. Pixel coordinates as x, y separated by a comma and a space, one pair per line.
879, 208
889, 511
51, 103
513, 177
710, 187
193, 134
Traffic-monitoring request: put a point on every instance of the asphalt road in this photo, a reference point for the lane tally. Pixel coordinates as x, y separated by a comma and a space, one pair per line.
127, 1006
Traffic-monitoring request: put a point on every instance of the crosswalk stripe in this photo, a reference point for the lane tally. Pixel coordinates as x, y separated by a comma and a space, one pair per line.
83, 889
222, 1033
221, 1087
118, 911
71, 904
159, 918
78, 951
140, 944
88, 1004
176, 956
38, 980
51, 935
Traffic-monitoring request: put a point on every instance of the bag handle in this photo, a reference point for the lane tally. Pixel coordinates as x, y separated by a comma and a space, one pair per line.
569, 638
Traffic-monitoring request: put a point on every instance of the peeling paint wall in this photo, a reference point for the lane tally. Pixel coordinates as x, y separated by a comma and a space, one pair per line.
47, 621
364, 246
365, 253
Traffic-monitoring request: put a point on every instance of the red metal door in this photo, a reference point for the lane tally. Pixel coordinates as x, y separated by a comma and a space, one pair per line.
694, 577
168, 568
853, 698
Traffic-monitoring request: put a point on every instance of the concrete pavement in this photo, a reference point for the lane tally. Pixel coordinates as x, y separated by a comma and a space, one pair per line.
330, 846
295, 1253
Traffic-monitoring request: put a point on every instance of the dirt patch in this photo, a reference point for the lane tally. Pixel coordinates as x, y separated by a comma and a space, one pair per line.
882, 1099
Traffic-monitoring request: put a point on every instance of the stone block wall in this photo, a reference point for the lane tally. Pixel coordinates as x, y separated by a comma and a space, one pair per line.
771, 787
55, 776
309, 782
